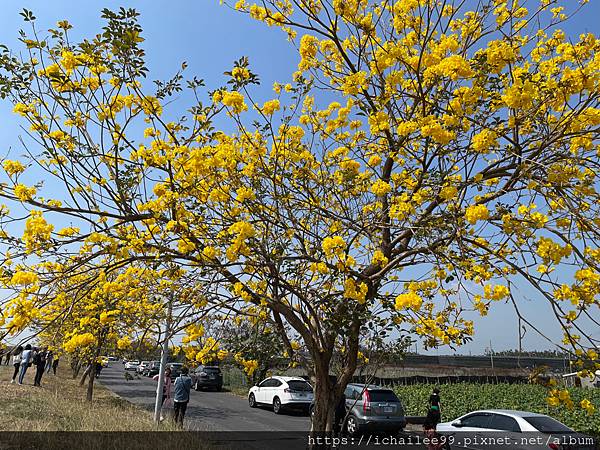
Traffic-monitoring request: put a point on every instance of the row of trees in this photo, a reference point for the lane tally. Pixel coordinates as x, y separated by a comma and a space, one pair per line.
427, 160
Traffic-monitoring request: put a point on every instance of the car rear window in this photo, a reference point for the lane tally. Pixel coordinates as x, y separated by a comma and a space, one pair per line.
212, 370
383, 396
297, 385
547, 424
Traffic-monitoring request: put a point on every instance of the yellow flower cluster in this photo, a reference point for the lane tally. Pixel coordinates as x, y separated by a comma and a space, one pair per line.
497, 292
483, 141
379, 259
23, 278
24, 193
123, 343
37, 231
380, 188
550, 251
474, 213
13, 167
235, 101
333, 246
240, 73
408, 300
355, 291
79, 341
249, 365
269, 107
558, 397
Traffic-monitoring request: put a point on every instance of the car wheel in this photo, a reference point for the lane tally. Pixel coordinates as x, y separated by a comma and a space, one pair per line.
277, 405
352, 426
252, 401
218, 388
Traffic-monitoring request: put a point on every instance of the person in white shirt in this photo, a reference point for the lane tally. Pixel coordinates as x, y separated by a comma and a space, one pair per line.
26, 359
16, 360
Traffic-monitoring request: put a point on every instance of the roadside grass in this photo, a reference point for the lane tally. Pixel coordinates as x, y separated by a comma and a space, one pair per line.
60, 405
240, 391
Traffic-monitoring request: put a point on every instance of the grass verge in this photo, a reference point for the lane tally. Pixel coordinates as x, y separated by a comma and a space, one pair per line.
60, 405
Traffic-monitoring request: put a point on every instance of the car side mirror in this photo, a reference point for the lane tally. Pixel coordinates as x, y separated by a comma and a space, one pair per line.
457, 424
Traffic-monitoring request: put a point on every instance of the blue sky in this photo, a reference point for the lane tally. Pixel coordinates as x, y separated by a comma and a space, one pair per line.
210, 37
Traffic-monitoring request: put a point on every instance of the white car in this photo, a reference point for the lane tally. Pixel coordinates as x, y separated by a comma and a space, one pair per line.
513, 425
142, 366
281, 393
132, 365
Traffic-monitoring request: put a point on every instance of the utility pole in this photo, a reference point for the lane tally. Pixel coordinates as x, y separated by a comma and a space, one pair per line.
163, 361
491, 355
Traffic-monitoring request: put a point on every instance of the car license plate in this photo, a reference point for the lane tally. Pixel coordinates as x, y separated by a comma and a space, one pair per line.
388, 409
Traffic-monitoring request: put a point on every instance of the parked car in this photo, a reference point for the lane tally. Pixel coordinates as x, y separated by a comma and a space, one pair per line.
151, 368
281, 393
142, 366
132, 365
204, 377
113, 358
175, 369
372, 408
515, 425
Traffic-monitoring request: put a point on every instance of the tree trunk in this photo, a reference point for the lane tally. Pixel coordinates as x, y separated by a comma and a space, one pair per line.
86, 372
90, 387
325, 401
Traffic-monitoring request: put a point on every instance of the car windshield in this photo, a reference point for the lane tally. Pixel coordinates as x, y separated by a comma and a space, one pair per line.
382, 396
298, 385
547, 424
210, 369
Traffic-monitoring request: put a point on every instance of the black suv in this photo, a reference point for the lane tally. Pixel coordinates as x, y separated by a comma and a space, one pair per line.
207, 377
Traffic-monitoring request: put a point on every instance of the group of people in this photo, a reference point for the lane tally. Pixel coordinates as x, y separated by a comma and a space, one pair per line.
43, 359
182, 387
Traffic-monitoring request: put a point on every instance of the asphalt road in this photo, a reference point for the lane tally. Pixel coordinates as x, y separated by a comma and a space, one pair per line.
207, 410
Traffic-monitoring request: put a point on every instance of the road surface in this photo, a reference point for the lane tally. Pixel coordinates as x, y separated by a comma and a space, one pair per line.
207, 410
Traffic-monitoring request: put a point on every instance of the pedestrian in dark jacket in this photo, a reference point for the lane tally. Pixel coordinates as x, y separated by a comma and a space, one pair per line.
39, 361
55, 365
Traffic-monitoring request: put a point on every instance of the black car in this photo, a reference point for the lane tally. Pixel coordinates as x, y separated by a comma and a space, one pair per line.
175, 369
204, 377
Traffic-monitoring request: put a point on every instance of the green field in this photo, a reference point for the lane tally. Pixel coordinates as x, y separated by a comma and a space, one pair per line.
459, 399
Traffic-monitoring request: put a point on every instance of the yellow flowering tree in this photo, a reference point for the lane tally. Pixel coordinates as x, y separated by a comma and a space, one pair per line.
455, 159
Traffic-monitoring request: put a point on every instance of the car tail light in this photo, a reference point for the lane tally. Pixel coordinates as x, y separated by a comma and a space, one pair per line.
554, 446
366, 401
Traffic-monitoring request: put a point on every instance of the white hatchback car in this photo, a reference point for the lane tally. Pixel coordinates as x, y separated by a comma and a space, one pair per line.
281, 392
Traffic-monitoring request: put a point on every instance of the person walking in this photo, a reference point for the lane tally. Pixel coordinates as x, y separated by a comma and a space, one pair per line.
26, 358
39, 361
49, 359
17, 354
183, 386
55, 365
166, 393
435, 400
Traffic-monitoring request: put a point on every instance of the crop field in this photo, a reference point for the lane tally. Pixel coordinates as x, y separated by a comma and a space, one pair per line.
459, 399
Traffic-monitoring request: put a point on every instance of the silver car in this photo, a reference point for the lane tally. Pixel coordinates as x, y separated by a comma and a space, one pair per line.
372, 408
